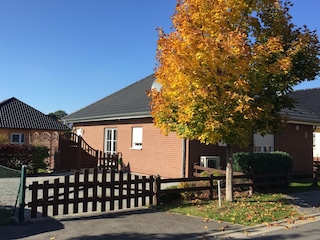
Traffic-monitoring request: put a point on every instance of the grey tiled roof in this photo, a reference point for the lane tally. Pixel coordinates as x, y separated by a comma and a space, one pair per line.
301, 115
308, 99
133, 102
16, 114
129, 102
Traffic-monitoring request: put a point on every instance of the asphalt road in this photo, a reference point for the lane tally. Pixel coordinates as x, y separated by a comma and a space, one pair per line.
308, 231
128, 225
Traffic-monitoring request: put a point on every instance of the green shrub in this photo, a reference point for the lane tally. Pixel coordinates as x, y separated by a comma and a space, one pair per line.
274, 162
171, 196
16, 155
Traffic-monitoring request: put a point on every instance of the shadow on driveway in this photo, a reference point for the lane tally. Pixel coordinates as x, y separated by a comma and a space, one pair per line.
142, 223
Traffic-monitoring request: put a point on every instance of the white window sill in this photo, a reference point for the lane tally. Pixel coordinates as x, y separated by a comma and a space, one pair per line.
136, 148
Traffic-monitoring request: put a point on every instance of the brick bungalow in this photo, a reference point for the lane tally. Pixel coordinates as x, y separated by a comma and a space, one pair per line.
23, 124
309, 99
121, 122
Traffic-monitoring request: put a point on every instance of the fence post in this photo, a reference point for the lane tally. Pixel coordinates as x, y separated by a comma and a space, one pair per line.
22, 193
315, 176
211, 186
252, 182
157, 189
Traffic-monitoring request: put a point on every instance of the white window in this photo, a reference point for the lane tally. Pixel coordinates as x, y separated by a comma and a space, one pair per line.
263, 143
110, 140
17, 138
136, 138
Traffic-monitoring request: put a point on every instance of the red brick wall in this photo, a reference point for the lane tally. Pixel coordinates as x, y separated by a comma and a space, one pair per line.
47, 138
198, 149
163, 154
297, 140
159, 155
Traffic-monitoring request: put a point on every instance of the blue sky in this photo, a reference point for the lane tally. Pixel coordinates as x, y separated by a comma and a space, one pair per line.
67, 54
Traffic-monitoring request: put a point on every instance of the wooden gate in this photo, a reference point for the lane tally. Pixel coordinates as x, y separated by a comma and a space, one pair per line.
76, 153
90, 192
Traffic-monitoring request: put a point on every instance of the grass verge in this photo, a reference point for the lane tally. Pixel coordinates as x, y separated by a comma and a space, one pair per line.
248, 211
297, 187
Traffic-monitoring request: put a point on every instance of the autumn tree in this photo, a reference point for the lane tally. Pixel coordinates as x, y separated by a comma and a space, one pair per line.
226, 69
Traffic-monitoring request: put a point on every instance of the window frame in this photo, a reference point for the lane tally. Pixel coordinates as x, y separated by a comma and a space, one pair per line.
21, 137
136, 137
110, 145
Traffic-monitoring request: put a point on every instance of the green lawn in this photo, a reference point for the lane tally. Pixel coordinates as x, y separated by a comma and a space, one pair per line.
297, 187
258, 209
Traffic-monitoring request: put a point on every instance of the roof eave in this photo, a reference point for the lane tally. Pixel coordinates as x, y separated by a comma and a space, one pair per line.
313, 123
109, 117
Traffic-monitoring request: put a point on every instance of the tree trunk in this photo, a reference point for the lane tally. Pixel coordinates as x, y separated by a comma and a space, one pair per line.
229, 174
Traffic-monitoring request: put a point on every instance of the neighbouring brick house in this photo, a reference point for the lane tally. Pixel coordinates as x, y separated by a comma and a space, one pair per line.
121, 122
22, 124
309, 99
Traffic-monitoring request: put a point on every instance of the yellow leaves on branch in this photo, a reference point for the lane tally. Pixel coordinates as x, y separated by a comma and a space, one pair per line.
220, 63
274, 45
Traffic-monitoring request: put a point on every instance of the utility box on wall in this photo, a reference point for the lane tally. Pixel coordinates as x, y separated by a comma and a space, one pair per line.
210, 161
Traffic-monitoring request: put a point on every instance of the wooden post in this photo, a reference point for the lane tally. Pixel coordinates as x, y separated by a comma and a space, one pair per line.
112, 187
66, 194
128, 190
34, 199
95, 190
85, 191
45, 199
151, 193
211, 186
157, 191
120, 190
252, 182
315, 176
144, 190
103, 190
56, 197
76, 193
136, 190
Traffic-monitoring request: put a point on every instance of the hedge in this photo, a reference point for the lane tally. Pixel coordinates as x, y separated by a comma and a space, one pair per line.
16, 155
274, 162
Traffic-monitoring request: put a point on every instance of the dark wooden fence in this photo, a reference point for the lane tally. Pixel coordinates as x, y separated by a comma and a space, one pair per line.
108, 190
269, 180
111, 190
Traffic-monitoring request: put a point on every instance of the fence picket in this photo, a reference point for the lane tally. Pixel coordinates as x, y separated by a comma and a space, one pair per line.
120, 201
128, 190
66, 194
76, 193
136, 191
34, 196
95, 184
144, 193
85, 191
103, 186
151, 181
112, 187
56, 197
45, 199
